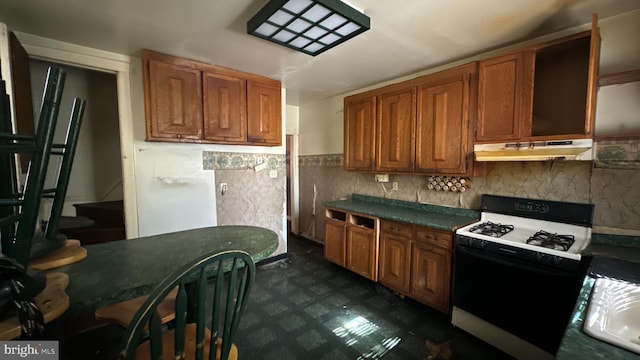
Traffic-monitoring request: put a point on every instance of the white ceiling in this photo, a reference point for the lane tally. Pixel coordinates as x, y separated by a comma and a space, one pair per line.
406, 36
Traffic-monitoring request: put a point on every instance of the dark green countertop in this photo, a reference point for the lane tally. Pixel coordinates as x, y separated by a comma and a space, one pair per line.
433, 216
576, 344
121, 270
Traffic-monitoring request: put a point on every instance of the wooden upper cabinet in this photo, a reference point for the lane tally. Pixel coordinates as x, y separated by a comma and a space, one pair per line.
225, 107
395, 129
359, 132
446, 104
504, 93
565, 86
173, 102
264, 112
544, 92
189, 101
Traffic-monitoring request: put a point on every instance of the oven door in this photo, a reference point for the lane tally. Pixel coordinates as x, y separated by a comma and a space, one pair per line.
531, 301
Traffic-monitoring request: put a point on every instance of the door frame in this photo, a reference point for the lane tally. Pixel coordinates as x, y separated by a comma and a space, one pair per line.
120, 65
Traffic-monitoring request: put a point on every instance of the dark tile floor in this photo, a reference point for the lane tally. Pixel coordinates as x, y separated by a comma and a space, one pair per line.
307, 308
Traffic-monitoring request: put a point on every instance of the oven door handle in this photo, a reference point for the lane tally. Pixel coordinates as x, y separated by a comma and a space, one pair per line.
508, 261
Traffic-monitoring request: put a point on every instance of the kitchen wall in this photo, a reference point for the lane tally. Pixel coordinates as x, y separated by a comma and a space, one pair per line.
251, 197
177, 185
166, 185
613, 191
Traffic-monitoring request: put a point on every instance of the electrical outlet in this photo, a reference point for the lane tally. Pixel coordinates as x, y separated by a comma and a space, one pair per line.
223, 188
382, 178
273, 174
394, 186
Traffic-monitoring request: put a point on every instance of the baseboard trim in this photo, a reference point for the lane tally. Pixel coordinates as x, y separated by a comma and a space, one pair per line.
272, 259
307, 240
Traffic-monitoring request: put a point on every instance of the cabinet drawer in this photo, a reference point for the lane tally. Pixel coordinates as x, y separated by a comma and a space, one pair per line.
433, 237
335, 214
396, 228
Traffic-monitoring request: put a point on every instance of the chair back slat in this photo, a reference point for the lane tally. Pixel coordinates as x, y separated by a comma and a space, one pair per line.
225, 279
155, 336
201, 313
229, 307
180, 320
240, 303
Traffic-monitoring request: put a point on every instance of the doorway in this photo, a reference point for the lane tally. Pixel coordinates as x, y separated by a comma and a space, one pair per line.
288, 151
95, 188
121, 67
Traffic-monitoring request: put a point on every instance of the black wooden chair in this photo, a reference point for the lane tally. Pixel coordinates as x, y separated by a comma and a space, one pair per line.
19, 210
212, 294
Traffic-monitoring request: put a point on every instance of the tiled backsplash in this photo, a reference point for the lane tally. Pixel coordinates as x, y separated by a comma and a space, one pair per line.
618, 154
252, 197
212, 160
613, 191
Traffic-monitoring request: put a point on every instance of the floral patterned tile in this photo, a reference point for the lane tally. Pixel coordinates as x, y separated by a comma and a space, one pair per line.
618, 154
212, 160
326, 160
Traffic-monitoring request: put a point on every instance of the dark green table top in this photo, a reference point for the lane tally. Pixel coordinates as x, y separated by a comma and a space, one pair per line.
121, 270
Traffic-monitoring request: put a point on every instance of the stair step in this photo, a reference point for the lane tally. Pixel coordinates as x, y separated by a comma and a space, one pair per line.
96, 233
104, 212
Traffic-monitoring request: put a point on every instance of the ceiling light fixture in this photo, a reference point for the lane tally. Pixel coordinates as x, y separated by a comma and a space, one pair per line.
309, 26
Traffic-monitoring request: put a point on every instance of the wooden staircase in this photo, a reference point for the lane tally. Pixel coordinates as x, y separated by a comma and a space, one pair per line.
108, 223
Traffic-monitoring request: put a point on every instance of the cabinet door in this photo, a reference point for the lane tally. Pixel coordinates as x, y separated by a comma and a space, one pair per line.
505, 95
335, 241
173, 102
431, 275
359, 132
442, 127
395, 130
394, 266
264, 113
225, 106
362, 251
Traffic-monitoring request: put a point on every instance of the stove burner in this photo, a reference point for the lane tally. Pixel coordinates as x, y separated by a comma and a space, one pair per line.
491, 229
551, 241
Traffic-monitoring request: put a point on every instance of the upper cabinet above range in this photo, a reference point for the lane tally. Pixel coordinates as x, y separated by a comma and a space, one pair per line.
546, 91
189, 101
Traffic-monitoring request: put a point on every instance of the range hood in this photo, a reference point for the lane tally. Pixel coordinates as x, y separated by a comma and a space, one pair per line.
580, 149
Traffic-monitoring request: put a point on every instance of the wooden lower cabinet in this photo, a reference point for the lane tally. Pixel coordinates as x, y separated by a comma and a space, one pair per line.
335, 238
395, 256
362, 248
431, 275
412, 260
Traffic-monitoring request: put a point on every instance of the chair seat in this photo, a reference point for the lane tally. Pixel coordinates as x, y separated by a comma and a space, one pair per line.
122, 312
143, 350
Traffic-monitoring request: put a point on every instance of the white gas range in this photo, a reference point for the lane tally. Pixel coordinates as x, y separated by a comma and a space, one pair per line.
543, 236
519, 269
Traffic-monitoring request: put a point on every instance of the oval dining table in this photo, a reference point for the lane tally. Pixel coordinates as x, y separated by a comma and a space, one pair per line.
121, 270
